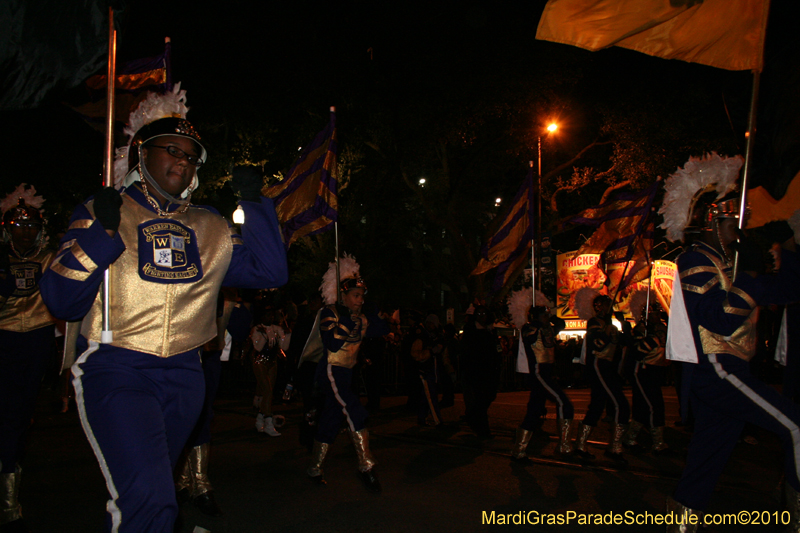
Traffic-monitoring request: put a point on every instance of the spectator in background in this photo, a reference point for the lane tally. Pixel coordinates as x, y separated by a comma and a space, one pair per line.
480, 363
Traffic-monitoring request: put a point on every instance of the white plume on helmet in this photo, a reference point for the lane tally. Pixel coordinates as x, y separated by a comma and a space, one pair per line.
699, 175
348, 268
154, 107
24, 191
584, 302
520, 302
638, 302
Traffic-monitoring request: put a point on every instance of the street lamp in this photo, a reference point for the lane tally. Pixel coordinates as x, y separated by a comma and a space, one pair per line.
551, 128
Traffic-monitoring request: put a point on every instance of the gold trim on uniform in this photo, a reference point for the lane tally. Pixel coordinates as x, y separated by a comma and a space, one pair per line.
736, 311
83, 223
742, 343
347, 355
744, 296
163, 319
83, 258
27, 313
68, 273
607, 353
696, 270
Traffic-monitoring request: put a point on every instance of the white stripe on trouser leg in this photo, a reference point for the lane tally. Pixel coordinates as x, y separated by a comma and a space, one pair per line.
641, 389
111, 506
430, 402
777, 414
339, 399
608, 390
556, 397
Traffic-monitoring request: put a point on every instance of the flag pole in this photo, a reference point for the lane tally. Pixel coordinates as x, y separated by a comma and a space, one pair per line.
106, 335
636, 241
533, 235
748, 152
649, 285
336, 241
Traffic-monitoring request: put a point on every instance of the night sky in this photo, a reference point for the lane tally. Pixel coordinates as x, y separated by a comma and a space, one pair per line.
285, 63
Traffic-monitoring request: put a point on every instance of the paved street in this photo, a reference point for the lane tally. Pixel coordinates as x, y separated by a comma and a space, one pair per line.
433, 479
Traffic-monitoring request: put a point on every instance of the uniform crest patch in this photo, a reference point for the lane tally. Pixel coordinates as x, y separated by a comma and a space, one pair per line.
168, 252
25, 277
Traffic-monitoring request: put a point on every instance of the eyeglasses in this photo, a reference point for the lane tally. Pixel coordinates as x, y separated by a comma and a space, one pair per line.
177, 153
26, 224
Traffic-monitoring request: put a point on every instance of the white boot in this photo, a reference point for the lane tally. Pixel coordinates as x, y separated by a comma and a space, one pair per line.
269, 427
260, 423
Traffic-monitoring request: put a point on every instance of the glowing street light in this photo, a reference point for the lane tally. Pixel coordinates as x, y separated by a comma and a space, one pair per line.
422, 182
498, 201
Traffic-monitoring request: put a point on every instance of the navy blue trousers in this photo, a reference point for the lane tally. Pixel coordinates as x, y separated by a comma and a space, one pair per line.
138, 411
341, 402
606, 387
544, 387
212, 370
23, 360
648, 400
724, 395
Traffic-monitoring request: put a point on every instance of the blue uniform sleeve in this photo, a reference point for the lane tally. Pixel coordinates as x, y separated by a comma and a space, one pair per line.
259, 255
708, 304
334, 329
70, 285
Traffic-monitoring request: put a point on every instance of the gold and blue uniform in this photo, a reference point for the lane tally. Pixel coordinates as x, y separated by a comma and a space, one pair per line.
26, 347
602, 342
341, 340
539, 341
649, 371
723, 394
140, 395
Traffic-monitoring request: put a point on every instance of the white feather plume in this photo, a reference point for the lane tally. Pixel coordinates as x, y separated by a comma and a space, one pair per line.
520, 302
638, 303
154, 107
707, 173
348, 268
24, 191
584, 300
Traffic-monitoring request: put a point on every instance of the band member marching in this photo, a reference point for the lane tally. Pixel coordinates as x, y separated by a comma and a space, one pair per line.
538, 336
342, 326
713, 325
140, 392
26, 337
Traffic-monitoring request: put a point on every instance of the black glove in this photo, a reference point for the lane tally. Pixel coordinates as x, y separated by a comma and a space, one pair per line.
751, 257
345, 313
106, 208
247, 182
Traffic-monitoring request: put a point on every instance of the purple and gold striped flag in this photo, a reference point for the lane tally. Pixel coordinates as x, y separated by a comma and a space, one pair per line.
306, 200
506, 249
133, 81
619, 222
624, 231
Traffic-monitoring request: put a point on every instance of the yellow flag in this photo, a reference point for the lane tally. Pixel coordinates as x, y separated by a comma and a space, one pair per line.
764, 208
726, 34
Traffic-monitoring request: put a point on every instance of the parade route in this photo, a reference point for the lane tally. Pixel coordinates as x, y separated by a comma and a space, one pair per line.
434, 479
